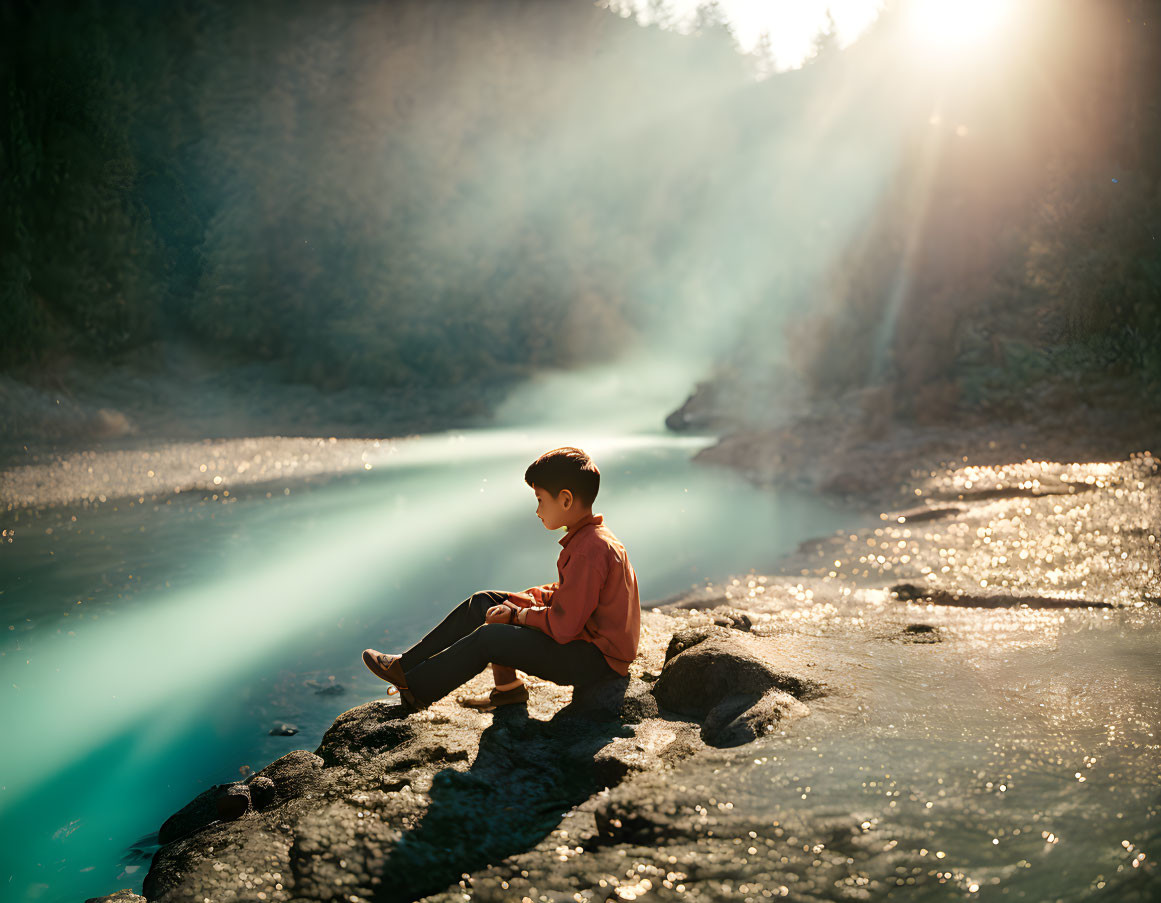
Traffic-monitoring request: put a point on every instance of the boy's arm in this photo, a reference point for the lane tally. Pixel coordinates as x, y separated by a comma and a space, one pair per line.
540, 596
573, 601
543, 593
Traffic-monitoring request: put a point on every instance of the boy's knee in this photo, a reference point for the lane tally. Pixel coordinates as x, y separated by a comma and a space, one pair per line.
477, 600
494, 638
489, 632
482, 600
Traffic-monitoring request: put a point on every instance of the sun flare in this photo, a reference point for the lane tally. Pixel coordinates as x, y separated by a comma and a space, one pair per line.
944, 25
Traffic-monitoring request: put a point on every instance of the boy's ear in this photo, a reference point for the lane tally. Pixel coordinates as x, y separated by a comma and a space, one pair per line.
566, 498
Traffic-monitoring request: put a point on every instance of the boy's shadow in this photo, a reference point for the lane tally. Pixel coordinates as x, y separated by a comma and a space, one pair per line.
526, 775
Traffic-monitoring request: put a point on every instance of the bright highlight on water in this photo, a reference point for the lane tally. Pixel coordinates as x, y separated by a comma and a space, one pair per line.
143, 636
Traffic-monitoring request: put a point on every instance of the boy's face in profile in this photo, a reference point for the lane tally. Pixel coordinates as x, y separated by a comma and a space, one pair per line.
553, 512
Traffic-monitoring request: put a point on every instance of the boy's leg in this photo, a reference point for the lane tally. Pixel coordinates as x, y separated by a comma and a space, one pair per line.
526, 648
460, 622
503, 676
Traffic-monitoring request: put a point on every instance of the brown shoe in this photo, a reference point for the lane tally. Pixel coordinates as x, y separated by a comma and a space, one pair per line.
388, 667
496, 698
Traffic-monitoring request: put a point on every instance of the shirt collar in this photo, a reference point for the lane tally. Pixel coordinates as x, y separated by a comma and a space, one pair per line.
595, 519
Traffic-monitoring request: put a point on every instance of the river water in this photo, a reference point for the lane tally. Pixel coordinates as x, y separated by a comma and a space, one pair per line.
1018, 759
167, 604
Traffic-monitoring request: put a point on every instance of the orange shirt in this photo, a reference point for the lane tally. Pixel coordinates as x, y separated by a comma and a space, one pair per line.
596, 597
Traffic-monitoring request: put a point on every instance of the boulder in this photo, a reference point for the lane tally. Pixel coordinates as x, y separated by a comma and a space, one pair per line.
262, 793
741, 718
688, 638
233, 802
365, 730
704, 666
731, 683
202, 810
219, 861
285, 779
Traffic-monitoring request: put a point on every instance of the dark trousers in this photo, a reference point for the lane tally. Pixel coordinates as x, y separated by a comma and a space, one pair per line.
462, 645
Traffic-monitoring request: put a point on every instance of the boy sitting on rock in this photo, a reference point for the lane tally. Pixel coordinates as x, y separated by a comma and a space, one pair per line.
582, 629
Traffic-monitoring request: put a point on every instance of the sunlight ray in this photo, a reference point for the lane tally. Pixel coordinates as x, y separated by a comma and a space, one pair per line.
97, 684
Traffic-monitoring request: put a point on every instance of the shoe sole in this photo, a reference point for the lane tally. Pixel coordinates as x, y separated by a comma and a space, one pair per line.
492, 706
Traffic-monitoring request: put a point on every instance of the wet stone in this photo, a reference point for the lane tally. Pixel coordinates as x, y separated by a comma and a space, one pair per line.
740, 719
233, 802
921, 634
909, 592
703, 668
369, 728
731, 617
262, 793
295, 774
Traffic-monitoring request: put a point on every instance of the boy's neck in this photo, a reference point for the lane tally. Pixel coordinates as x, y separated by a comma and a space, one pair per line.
577, 518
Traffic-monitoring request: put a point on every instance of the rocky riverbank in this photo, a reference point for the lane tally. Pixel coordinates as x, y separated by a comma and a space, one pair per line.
171, 392
855, 444
822, 733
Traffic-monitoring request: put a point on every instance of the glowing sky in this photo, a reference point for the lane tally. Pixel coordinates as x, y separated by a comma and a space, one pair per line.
792, 25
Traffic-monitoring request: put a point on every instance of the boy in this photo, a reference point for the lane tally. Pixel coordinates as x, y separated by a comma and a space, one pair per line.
579, 630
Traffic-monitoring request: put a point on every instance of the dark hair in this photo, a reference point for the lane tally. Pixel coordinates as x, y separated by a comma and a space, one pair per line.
565, 468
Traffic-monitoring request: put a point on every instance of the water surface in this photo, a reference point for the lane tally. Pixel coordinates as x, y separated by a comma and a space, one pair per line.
153, 637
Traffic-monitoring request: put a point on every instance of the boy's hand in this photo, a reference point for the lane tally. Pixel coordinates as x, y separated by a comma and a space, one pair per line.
503, 613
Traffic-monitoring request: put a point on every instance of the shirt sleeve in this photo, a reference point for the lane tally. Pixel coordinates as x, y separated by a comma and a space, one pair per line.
546, 592
541, 595
573, 601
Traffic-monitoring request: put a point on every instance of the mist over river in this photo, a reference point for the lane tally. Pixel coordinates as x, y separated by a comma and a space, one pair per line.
154, 637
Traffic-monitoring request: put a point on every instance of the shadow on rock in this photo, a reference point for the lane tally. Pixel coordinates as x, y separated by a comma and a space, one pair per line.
388, 807
526, 774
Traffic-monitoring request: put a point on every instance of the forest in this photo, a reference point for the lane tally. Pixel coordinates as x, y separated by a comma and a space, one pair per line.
415, 194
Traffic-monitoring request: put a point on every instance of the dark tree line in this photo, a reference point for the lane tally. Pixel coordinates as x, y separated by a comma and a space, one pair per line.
384, 193
425, 191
